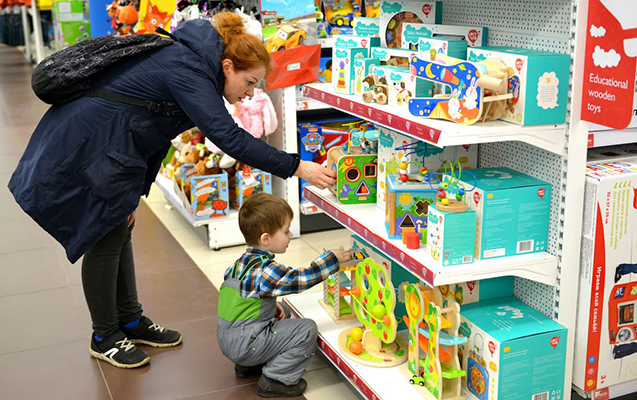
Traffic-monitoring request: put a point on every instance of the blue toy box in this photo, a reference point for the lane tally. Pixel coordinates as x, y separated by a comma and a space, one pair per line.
249, 182
512, 212
513, 351
538, 81
209, 196
451, 236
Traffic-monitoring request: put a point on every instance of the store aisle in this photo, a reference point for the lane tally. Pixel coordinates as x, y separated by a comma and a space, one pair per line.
44, 321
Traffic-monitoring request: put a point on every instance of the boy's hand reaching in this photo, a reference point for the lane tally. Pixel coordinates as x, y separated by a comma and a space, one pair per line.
342, 255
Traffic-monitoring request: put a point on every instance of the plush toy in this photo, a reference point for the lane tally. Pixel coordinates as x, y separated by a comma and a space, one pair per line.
375, 89
208, 166
257, 114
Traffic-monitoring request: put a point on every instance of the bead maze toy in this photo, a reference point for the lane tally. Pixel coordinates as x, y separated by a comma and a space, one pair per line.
433, 329
356, 168
478, 90
373, 299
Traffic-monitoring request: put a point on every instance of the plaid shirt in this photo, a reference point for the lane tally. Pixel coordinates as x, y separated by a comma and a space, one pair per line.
269, 278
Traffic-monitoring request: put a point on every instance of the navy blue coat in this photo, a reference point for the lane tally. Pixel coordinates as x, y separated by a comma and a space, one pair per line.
89, 161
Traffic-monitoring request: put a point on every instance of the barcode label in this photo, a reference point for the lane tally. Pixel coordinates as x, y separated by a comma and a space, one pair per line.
525, 247
467, 259
541, 396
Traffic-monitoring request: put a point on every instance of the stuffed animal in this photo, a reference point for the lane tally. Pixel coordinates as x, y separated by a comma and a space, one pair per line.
375, 89
208, 166
257, 114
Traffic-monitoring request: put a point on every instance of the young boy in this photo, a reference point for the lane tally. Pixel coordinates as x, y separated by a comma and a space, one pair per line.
252, 329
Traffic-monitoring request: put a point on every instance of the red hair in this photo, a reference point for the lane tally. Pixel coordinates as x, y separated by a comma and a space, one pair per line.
245, 50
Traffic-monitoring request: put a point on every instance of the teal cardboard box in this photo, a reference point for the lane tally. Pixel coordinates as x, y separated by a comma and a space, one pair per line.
362, 68
512, 212
369, 27
343, 68
513, 351
538, 81
452, 236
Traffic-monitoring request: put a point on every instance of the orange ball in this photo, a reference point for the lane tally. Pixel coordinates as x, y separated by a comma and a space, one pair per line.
356, 347
127, 15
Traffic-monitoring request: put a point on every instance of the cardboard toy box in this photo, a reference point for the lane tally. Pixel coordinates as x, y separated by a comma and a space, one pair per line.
388, 158
513, 211
393, 14
70, 23
402, 85
540, 92
343, 64
393, 57
513, 351
451, 236
430, 48
209, 194
475, 36
624, 152
249, 182
362, 68
352, 41
606, 330
366, 26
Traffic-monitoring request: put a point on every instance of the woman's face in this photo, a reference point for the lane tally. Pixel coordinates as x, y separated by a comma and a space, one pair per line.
240, 84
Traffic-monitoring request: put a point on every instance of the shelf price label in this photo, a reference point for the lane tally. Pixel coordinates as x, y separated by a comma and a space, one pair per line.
609, 67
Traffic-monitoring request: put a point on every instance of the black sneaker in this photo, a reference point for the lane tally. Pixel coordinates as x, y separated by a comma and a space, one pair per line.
117, 350
246, 372
149, 333
266, 388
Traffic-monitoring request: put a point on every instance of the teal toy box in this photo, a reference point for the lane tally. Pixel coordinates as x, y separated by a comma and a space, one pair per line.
538, 81
343, 68
369, 27
513, 352
512, 212
402, 84
362, 68
451, 236
350, 41
475, 36
395, 13
453, 46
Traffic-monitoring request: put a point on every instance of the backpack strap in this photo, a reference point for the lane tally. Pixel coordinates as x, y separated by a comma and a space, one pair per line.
165, 108
164, 32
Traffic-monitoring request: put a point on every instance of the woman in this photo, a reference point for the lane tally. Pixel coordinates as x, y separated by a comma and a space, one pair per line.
90, 160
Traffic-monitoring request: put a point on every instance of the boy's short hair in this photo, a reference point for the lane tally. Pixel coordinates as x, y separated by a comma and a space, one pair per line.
262, 213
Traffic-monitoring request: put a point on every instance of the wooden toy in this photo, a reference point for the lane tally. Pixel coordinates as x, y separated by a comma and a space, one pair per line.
336, 289
452, 195
433, 329
394, 13
357, 172
375, 90
478, 90
374, 299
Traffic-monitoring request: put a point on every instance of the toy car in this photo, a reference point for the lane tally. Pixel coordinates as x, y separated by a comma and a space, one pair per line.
417, 380
286, 37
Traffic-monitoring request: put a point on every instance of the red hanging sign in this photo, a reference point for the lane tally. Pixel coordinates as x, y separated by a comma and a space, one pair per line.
609, 69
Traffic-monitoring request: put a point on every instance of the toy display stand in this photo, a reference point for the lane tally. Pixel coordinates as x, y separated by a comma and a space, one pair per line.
375, 353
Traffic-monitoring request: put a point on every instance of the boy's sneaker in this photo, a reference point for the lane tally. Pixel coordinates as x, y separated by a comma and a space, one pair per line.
117, 350
246, 372
270, 388
149, 333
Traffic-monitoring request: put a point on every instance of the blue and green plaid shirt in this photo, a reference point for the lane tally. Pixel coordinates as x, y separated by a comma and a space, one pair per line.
269, 278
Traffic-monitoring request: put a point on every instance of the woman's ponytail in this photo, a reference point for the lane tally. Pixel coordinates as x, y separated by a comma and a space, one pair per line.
245, 50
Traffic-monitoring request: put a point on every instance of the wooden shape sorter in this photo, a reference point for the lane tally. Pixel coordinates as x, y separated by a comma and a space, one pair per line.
479, 91
408, 205
357, 175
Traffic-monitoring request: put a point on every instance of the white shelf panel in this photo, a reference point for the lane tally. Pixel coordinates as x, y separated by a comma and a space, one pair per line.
371, 383
368, 221
438, 132
166, 186
612, 137
305, 104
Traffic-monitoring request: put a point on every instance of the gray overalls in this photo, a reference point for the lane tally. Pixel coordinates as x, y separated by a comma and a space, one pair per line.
248, 333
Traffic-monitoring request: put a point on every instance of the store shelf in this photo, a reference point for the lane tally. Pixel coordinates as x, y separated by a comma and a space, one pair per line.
612, 137
367, 221
305, 104
370, 382
441, 133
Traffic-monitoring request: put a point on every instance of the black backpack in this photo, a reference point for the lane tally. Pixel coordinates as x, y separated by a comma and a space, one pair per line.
66, 75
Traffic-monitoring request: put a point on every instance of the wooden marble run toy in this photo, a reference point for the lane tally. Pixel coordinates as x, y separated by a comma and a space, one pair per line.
357, 171
479, 91
336, 289
433, 330
452, 195
373, 300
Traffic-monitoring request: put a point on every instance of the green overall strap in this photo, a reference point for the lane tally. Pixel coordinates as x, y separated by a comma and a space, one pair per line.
253, 263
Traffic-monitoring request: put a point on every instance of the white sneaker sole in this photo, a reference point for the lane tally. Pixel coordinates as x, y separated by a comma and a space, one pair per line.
114, 363
155, 344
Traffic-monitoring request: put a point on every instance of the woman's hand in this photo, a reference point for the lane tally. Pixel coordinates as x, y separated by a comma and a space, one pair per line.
316, 174
131, 218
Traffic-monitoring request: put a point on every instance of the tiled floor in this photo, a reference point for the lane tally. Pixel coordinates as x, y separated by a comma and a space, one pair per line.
44, 321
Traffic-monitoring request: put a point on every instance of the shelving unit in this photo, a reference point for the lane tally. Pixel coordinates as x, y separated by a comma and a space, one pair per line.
368, 221
554, 153
612, 137
34, 52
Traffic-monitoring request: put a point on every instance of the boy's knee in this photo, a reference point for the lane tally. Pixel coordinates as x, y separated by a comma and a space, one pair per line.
312, 329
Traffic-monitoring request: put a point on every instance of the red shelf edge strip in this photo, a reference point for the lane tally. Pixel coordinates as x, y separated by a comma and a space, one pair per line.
388, 248
382, 117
